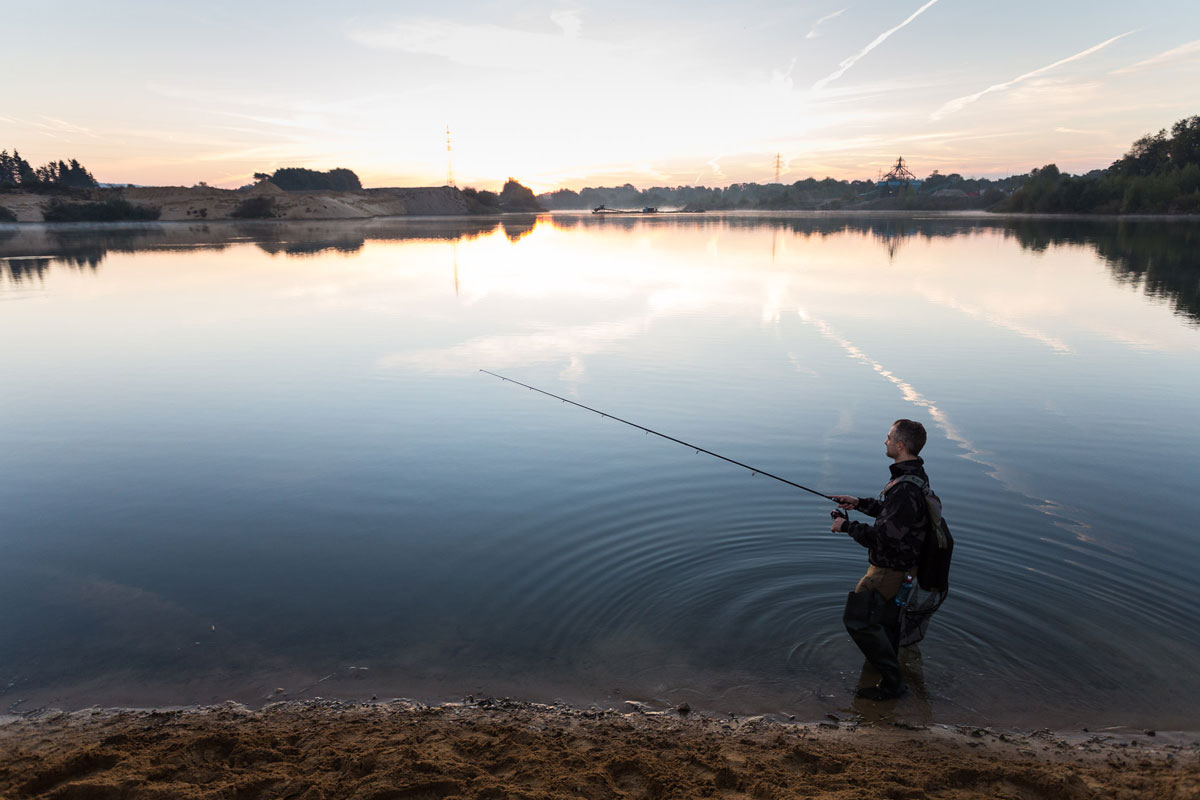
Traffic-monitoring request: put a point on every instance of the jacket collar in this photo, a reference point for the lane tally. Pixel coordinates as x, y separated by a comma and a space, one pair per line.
914, 466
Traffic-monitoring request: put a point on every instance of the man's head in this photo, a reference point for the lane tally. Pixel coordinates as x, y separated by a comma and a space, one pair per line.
904, 440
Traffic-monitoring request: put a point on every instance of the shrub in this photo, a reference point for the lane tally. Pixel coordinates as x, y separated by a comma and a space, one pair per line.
255, 208
114, 209
478, 202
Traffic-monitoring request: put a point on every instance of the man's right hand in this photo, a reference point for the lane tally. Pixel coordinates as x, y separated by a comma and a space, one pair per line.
845, 501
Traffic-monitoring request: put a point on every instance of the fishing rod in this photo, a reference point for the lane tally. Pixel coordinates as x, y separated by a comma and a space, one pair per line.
698, 449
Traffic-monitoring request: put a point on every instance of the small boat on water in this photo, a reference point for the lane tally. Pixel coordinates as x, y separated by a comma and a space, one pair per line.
603, 209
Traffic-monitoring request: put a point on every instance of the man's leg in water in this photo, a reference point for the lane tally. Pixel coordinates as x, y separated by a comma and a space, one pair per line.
872, 619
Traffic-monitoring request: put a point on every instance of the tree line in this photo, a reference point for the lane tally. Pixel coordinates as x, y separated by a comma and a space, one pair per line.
1159, 175
17, 173
299, 179
513, 197
806, 194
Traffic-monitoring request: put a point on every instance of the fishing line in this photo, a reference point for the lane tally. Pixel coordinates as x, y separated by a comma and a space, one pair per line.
697, 448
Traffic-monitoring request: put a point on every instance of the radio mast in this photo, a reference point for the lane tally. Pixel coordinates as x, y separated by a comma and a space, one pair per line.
449, 162
778, 165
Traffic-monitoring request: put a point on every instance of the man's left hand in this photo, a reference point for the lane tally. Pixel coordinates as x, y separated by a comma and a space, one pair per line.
838, 522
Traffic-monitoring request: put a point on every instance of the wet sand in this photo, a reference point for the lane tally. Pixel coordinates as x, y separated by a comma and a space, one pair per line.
500, 748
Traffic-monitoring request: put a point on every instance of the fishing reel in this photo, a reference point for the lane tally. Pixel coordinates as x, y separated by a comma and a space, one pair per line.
837, 512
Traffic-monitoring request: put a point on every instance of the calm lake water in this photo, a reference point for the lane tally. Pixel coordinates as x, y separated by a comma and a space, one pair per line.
237, 458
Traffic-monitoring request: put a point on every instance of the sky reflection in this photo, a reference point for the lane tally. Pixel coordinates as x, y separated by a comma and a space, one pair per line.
650, 271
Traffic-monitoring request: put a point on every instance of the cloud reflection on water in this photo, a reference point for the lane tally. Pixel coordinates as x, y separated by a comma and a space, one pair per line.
1062, 515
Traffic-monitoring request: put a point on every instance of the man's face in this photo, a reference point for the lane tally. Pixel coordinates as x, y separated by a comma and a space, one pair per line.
891, 447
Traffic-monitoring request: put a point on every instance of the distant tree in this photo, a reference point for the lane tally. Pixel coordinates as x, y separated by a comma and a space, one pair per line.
515, 197
10, 174
1185, 142
344, 180
55, 173
1147, 155
299, 179
653, 198
17, 172
992, 196
77, 177
563, 199
481, 202
25, 173
47, 173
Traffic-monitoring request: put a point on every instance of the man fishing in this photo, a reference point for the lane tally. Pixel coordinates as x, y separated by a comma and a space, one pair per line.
893, 542
903, 517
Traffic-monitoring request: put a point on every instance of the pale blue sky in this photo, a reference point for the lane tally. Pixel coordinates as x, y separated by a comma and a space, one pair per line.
588, 93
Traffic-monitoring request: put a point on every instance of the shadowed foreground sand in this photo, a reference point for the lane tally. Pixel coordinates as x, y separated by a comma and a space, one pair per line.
497, 749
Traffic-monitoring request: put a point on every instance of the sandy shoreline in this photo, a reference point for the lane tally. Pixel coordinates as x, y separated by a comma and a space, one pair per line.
501, 748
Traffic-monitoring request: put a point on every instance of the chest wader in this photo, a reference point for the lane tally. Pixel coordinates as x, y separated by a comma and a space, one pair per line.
873, 622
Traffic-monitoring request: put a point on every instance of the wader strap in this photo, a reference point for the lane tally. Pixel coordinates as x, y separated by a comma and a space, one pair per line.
935, 513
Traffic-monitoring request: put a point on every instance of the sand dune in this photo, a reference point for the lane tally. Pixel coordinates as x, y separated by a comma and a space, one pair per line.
204, 203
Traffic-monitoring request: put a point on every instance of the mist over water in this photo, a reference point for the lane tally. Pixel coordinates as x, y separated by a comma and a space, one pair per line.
237, 458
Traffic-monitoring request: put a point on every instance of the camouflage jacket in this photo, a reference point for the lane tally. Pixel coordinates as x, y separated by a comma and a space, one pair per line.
901, 520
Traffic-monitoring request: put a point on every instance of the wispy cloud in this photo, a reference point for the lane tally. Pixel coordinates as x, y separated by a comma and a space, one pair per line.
487, 45
49, 126
907, 391
497, 352
57, 124
880, 39
1063, 515
306, 123
297, 151
1185, 52
222, 97
715, 164
959, 103
812, 34
999, 320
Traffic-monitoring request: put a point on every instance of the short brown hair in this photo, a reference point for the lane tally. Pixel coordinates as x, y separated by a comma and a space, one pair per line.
912, 433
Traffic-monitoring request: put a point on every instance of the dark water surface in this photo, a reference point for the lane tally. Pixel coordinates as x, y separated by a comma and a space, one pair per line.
241, 457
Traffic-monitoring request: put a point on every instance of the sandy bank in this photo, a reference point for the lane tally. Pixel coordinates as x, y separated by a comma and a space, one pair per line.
493, 749
203, 203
